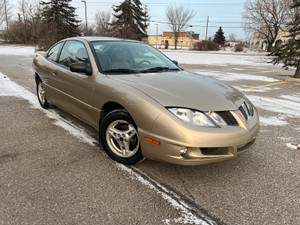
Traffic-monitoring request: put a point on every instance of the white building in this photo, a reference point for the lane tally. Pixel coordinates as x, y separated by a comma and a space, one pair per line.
257, 42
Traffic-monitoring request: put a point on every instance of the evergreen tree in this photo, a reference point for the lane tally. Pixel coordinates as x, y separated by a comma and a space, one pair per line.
219, 37
289, 54
59, 21
131, 20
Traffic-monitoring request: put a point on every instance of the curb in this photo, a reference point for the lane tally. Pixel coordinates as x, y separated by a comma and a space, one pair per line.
292, 80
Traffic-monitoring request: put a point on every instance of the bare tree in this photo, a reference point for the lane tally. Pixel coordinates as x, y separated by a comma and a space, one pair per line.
178, 17
103, 21
5, 12
267, 18
25, 29
27, 13
89, 31
2, 12
232, 37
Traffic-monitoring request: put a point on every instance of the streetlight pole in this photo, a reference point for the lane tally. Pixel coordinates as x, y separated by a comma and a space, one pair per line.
86, 26
156, 34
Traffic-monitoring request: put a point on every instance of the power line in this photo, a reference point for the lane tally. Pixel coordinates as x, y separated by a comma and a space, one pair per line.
166, 4
194, 25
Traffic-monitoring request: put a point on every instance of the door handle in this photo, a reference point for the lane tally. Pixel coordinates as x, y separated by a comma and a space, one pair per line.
54, 72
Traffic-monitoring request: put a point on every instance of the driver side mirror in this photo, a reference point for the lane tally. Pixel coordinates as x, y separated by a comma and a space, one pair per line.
81, 68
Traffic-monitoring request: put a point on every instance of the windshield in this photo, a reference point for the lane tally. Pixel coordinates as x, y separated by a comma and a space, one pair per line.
121, 57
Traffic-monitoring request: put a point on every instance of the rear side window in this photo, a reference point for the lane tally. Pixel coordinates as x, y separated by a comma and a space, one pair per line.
73, 52
53, 52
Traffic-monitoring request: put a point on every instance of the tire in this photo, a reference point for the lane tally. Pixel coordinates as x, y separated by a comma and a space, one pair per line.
119, 137
40, 91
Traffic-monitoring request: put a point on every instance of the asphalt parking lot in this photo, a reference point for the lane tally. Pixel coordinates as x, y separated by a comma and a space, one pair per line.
50, 174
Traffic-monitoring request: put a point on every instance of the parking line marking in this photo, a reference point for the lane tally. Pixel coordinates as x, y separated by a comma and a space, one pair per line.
277, 83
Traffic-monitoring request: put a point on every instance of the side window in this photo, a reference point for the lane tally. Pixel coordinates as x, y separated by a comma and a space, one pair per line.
53, 52
73, 52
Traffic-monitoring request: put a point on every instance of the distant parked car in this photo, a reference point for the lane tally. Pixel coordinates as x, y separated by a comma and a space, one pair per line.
143, 104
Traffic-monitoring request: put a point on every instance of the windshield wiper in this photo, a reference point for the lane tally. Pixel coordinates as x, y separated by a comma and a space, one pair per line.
120, 71
158, 68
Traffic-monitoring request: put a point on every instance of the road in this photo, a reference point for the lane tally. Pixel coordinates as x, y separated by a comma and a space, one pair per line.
51, 175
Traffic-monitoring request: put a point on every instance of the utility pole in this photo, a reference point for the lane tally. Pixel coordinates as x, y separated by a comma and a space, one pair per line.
156, 34
86, 26
206, 28
191, 45
6, 17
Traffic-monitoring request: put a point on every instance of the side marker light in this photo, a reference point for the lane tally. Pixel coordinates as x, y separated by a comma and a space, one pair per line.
156, 142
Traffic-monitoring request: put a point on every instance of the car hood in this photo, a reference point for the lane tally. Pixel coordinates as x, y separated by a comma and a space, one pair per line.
184, 89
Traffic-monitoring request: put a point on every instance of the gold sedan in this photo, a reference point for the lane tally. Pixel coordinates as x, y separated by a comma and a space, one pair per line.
143, 104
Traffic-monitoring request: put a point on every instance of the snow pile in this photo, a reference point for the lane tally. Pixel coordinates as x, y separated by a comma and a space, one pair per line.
16, 50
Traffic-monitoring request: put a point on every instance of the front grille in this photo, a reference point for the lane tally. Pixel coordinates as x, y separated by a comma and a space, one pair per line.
243, 112
228, 118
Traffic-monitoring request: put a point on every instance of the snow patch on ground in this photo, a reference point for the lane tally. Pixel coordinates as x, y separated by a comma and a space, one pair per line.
10, 88
238, 69
261, 89
16, 50
272, 121
216, 59
225, 76
285, 139
292, 146
292, 98
226, 50
286, 108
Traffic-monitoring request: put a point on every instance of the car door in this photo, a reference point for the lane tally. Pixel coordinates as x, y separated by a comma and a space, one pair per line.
45, 65
74, 91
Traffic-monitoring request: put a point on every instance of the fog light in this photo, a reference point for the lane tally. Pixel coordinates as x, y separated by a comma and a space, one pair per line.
183, 151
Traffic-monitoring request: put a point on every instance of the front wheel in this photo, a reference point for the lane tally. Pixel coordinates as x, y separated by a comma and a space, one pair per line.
119, 137
41, 94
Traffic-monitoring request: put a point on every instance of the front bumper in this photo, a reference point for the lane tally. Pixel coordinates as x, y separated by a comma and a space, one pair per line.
202, 146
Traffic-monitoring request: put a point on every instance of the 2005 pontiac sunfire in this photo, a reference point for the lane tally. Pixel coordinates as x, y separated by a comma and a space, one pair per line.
143, 104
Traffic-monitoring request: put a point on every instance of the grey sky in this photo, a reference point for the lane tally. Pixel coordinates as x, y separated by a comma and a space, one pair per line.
225, 13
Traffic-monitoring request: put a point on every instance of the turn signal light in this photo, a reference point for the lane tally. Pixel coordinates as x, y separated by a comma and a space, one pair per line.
156, 142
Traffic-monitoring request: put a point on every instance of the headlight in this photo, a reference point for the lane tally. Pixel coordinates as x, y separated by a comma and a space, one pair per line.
192, 117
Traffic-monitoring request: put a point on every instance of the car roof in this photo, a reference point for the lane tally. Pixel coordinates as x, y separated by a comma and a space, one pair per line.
98, 38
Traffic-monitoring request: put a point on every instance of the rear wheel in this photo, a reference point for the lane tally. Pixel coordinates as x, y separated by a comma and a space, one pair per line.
41, 94
119, 137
